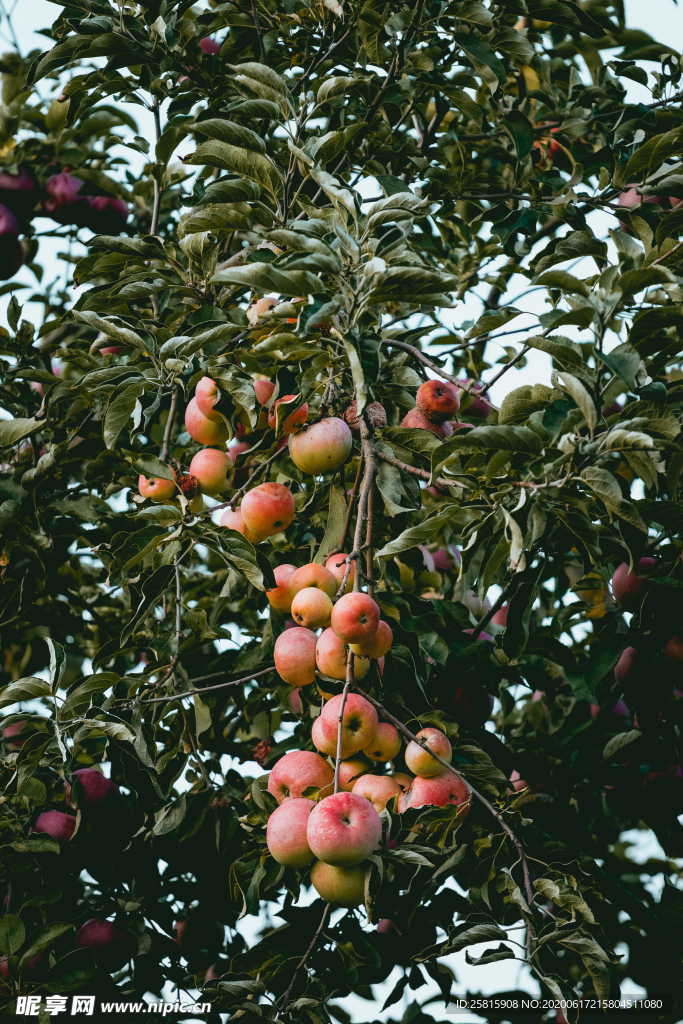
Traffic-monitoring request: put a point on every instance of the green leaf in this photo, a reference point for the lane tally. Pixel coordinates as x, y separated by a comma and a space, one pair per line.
522, 132
238, 160
579, 393
490, 956
229, 131
28, 688
45, 940
264, 277
14, 430
616, 743
119, 412
649, 157
422, 533
12, 933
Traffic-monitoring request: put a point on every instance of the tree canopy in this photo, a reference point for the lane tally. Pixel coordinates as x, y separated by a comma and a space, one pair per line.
275, 218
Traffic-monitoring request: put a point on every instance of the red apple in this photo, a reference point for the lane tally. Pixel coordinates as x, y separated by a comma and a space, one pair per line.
108, 942
263, 389
418, 421
267, 509
673, 649
343, 829
300, 773
437, 400
294, 656
350, 771
280, 596
628, 586
13, 736
286, 833
289, 420
336, 564
209, 46
437, 792
386, 743
378, 789
311, 607
321, 448
420, 761
355, 617
232, 519
157, 488
92, 788
359, 722
314, 575
209, 429
377, 644
330, 657
212, 469
344, 887
55, 824
629, 668
260, 308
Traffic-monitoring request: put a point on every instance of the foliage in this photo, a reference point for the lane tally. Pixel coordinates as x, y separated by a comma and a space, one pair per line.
371, 165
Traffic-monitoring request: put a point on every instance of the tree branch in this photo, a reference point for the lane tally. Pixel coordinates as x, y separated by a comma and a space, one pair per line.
207, 689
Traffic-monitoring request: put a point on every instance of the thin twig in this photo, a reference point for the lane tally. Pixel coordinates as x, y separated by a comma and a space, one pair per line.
284, 998
207, 689
170, 420
426, 361
423, 474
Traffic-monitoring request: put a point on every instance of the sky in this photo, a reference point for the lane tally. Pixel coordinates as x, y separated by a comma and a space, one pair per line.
663, 20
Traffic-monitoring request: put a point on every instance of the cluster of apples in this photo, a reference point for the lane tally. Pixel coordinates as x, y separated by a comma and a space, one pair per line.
308, 594
629, 587
340, 830
63, 197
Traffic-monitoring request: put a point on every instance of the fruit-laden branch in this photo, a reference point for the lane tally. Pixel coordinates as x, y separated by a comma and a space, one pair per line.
423, 474
207, 689
426, 361
411, 736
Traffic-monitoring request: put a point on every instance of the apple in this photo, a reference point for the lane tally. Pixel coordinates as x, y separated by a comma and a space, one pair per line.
499, 619
325, 744
157, 488
404, 780
289, 421
321, 448
260, 308
267, 509
314, 575
206, 394
336, 564
105, 215
211, 468
19, 191
300, 773
232, 519
386, 743
418, 421
280, 596
476, 405
359, 721
517, 783
237, 448
286, 833
628, 586
330, 657
437, 400
294, 656
343, 829
13, 736
344, 887
673, 649
311, 607
108, 942
9, 225
55, 824
629, 668
477, 606
209, 46
355, 617
420, 761
437, 792
446, 559
92, 788
296, 705
63, 197
350, 771
263, 389
471, 704
377, 644
378, 789
207, 430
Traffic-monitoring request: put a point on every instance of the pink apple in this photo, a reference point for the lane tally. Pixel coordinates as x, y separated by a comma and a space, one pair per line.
343, 829
386, 743
280, 596
55, 824
267, 509
314, 575
377, 644
350, 771
330, 657
311, 607
628, 586
420, 761
359, 721
206, 430
211, 468
294, 656
323, 447
286, 833
157, 488
437, 792
378, 789
355, 617
300, 773
336, 564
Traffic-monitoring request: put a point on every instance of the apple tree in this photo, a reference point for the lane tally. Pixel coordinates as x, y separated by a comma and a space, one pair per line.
260, 509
